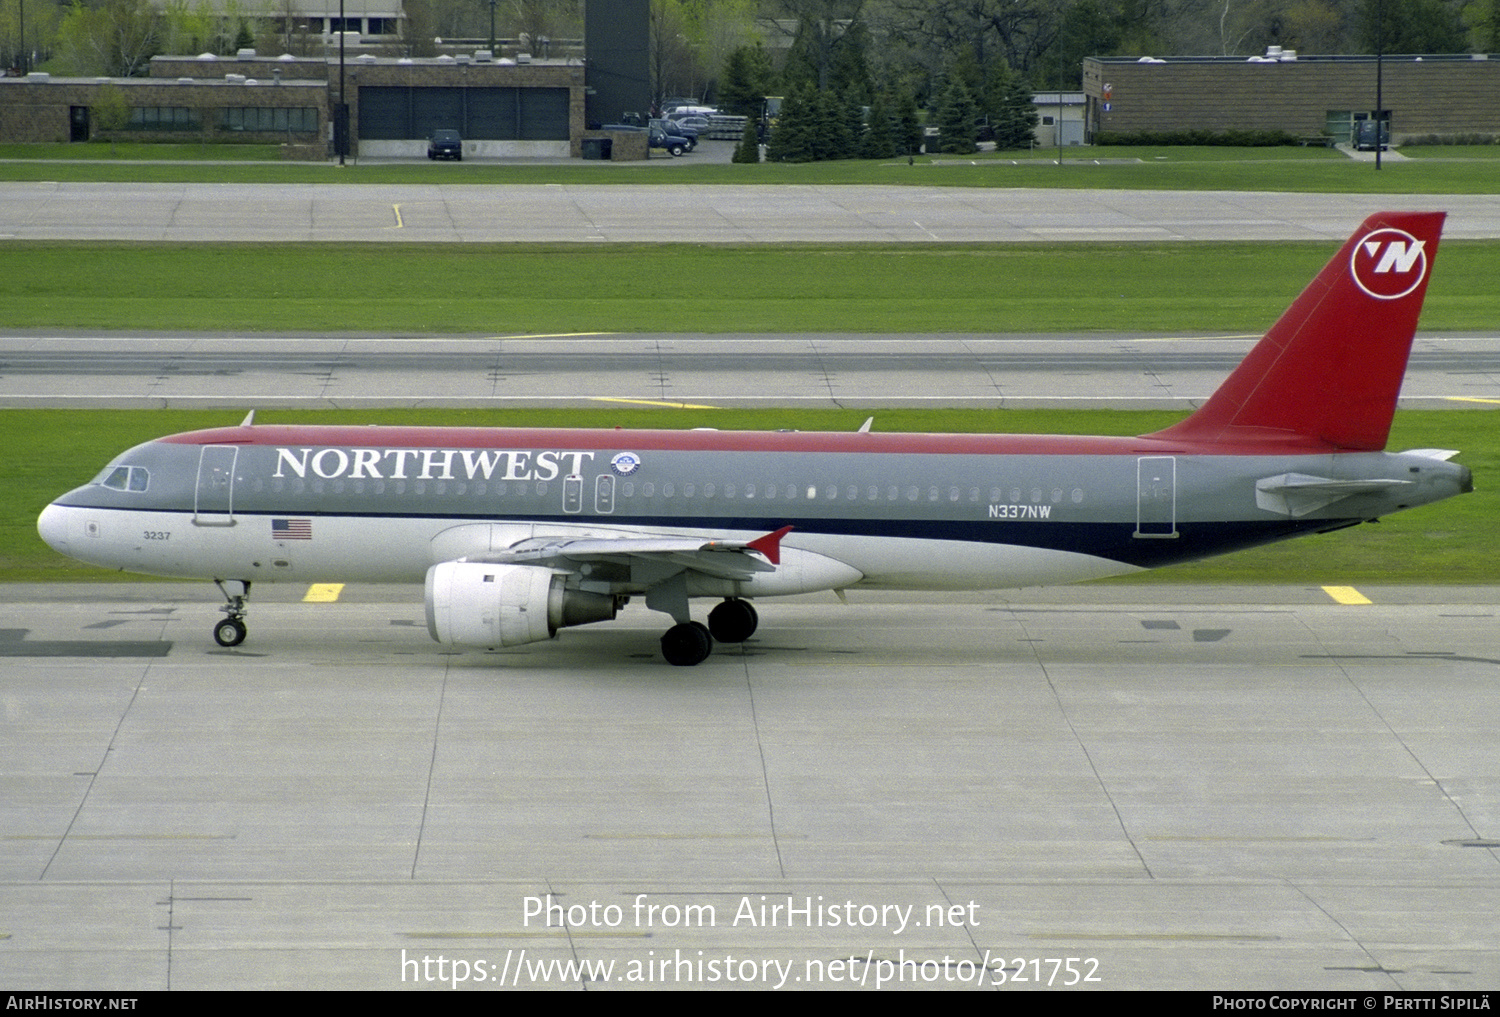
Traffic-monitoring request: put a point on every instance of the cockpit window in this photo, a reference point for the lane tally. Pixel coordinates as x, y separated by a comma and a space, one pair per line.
126, 478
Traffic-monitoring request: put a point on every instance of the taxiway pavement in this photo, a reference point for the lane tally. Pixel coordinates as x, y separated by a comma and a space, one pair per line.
693, 213
1123, 371
1151, 786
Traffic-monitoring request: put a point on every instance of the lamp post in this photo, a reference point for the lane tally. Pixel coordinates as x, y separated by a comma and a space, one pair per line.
341, 129
1379, 69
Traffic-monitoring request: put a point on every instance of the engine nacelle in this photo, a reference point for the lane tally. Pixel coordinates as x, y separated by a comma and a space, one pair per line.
474, 604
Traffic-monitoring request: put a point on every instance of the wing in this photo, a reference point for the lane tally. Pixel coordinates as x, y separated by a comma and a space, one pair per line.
645, 560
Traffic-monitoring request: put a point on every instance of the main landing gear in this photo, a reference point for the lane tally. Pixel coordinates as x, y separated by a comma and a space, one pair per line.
733, 621
689, 643
232, 631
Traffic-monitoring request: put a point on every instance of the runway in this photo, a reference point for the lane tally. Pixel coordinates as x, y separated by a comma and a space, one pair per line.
1144, 787
693, 213
1121, 371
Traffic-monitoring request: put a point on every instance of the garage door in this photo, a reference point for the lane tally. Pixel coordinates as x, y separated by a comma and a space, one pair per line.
478, 114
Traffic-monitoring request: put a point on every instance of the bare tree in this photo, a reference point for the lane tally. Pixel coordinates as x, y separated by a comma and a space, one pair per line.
117, 38
819, 27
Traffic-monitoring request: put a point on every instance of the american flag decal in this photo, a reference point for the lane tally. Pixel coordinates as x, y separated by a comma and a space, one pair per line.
291, 529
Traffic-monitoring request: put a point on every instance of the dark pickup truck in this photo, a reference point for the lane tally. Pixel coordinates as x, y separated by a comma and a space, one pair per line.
657, 138
445, 145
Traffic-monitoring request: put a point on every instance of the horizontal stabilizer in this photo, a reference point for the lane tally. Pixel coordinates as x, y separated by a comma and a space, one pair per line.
1297, 494
1442, 455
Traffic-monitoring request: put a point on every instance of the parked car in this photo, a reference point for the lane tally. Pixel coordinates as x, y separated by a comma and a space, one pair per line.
656, 137
696, 122
676, 144
445, 145
689, 108
686, 135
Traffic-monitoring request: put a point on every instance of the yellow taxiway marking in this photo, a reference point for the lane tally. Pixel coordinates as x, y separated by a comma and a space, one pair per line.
1472, 399
1346, 595
400, 223
653, 402
323, 593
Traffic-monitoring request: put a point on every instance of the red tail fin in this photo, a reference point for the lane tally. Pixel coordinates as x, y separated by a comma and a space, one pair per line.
1330, 369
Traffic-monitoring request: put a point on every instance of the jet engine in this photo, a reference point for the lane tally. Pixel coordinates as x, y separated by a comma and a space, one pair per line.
475, 604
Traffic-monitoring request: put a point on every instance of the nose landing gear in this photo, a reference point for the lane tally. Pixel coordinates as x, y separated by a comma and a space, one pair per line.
232, 630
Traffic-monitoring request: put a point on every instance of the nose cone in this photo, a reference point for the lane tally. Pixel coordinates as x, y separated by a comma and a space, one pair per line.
52, 525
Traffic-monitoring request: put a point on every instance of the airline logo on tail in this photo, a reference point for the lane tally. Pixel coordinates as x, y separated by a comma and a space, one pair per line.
1388, 263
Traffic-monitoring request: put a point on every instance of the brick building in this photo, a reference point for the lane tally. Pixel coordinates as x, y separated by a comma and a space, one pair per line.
43, 108
1307, 96
502, 108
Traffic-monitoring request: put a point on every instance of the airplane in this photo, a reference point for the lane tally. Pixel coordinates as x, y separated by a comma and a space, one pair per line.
518, 533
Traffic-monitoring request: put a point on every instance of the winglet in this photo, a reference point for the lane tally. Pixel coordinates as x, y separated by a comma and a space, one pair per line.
1329, 371
770, 545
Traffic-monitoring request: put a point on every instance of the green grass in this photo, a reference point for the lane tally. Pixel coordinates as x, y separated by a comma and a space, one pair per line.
506, 289
1465, 152
1446, 170
1451, 542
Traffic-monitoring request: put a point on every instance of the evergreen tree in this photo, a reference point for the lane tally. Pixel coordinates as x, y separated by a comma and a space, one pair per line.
791, 138
832, 138
855, 110
956, 119
1016, 117
908, 125
879, 140
748, 150
746, 79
